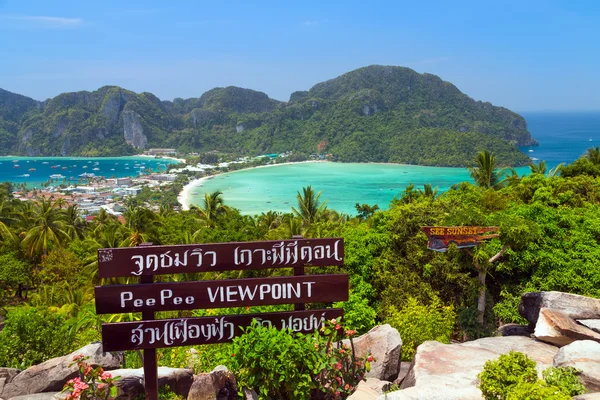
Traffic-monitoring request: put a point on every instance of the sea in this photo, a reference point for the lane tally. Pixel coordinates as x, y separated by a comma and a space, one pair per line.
563, 137
34, 171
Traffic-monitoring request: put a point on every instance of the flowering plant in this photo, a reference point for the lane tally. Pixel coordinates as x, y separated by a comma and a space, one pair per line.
92, 383
343, 370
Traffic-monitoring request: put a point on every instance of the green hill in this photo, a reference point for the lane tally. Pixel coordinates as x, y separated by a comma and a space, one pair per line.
372, 114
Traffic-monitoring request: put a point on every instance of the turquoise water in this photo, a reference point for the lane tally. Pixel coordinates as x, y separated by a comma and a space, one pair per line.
39, 169
563, 137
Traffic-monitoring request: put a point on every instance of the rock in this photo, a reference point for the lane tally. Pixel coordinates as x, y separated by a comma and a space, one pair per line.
6, 376
369, 389
593, 324
404, 370
575, 306
40, 396
219, 384
556, 327
51, 375
133, 130
449, 371
588, 396
131, 383
515, 330
585, 356
250, 394
385, 344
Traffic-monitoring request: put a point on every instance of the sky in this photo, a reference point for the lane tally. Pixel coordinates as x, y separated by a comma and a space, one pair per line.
526, 55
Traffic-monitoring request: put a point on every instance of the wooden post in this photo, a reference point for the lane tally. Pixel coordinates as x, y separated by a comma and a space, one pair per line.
150, 365
299, 271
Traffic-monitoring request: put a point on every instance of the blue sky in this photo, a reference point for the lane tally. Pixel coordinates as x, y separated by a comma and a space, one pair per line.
525, 55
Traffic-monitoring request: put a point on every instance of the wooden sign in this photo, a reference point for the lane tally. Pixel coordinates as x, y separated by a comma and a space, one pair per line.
205, 330
440, 237
156, 260
146, 260
221, 294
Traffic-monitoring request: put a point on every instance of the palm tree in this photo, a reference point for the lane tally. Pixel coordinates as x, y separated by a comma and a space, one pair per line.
270, 219
484, 171
539, 168
429, 191
556, 170
213, 207
309, 205
75, 224
49, 228
593, 154
140, 222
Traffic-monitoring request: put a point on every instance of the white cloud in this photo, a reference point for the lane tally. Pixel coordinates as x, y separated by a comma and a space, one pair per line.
42, 21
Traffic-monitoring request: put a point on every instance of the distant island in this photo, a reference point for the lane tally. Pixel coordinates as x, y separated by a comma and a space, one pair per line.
372, 114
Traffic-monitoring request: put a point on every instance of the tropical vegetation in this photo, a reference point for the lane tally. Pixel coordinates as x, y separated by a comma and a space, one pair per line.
549, 234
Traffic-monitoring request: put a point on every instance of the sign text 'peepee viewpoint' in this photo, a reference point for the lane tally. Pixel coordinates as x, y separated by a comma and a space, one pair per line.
148, 297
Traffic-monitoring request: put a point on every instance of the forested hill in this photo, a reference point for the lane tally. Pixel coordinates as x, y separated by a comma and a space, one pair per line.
376, 114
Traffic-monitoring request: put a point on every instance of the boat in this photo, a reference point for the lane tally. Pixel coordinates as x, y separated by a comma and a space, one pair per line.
24, 176
16, 166
530, 150
15, 160
64, 168
45, 162
55, 166
96, 163
87, 175
96, 169
56, 176
31, 169
85, 166
126, 167
112, 169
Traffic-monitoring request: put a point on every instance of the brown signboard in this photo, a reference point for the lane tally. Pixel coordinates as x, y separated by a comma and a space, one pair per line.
440, 237
155, 260
205, 330
221, 294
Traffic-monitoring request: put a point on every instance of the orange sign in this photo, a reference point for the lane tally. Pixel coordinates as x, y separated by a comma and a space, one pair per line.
440, 237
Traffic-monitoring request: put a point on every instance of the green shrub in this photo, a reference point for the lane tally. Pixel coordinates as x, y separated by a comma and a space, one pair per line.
538, 390
276, 363
499, 376
513, 377
418, 323
358, 314
32, 335
565, 378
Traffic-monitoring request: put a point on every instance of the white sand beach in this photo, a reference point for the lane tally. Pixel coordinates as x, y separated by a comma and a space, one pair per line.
185, 197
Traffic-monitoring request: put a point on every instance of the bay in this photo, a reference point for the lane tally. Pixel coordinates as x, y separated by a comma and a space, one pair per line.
33, 171
563, 137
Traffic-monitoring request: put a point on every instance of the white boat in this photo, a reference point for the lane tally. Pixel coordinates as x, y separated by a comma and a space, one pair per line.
96, 169
57, 176
87, 175
85, 166
112, 169
24, 176
531, 151
45, 162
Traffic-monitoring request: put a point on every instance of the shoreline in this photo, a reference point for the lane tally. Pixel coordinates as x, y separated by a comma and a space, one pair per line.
184, 197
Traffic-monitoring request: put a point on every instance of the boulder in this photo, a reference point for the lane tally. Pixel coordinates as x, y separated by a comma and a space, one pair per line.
556, 327
404, 370
51, 375
6, 376
575, 306
250, 394
585, 356
588, 396
219, 384
131, 383
40, 396
514, 330
449, 371
369, 389
385, 344
593, 324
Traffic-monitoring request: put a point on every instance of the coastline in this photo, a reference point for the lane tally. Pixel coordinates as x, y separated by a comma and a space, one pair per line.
184, 197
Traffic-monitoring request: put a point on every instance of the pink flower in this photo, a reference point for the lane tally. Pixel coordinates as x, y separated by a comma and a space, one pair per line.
370, 359
339, 365
337, 326
333, 321
105, 375
350, 332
